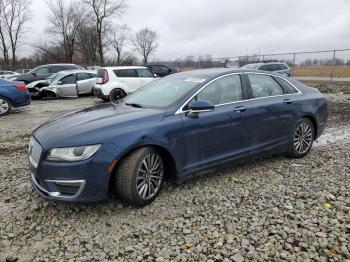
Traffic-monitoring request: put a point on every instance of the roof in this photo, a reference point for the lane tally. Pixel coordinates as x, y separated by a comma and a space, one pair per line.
58, 65
267, 62
77, 71
213, 72
122, 67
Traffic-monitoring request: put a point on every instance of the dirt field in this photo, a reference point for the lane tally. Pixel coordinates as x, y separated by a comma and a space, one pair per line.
322, 71
274, 209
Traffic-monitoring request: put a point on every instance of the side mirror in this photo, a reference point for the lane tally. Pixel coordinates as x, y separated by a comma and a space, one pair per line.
201, 106
34, 74
155, 75
59, 82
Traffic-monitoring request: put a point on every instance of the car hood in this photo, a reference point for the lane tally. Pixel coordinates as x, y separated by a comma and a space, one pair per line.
94, 125
33, 84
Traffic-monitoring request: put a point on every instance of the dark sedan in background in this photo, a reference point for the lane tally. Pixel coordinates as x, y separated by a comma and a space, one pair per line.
162, 70
174, 127
12, 95
43, 72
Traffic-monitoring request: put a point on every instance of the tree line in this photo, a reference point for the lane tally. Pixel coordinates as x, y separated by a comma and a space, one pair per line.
78, 31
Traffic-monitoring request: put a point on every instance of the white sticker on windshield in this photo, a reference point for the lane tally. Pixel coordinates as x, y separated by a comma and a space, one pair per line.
195, 79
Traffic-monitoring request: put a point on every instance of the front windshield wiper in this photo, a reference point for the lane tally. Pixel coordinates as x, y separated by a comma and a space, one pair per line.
134, 105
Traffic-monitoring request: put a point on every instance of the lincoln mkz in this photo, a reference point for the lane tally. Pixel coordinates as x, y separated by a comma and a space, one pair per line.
173, 128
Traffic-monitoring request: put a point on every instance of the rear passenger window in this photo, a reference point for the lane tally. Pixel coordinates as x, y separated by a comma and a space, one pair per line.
227, 89
288, 88
264, 86
282, 67
126, 73
42, 71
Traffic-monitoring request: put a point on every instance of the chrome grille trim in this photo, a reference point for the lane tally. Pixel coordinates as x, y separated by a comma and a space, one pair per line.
35, 151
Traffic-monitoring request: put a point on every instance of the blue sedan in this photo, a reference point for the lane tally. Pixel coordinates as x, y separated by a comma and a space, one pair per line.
175, 127
12, 95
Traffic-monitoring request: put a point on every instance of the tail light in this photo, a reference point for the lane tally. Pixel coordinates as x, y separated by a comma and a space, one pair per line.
21, 87
105, 77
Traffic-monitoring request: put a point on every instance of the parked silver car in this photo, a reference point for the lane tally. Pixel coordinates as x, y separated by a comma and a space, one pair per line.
64, 84
276, 67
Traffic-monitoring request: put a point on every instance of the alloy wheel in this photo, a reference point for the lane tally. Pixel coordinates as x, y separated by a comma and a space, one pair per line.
4, 106
303, 138
149, 176
116, 95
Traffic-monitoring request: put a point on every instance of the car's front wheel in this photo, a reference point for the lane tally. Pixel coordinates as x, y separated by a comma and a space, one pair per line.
140, 176
302, 138
5, 106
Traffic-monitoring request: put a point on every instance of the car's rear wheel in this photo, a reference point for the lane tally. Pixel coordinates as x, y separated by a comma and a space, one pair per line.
140, 176
116, 94
302, 138
5, 106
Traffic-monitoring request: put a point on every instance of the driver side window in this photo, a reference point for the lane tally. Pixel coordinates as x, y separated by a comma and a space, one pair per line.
225, 90
42, 71
67, 80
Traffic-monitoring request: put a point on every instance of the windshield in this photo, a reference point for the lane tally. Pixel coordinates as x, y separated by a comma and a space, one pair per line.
53, 78
163, 92
251, 66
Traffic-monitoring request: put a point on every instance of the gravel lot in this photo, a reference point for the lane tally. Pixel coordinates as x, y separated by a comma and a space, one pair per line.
269, 210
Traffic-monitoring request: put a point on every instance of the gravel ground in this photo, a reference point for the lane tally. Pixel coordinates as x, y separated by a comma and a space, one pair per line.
273, 209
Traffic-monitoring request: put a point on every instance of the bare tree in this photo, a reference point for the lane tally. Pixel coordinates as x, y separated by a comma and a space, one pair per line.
145, 42
64, 20
118, 40
87, 45
103, 11
4, 45
15, 15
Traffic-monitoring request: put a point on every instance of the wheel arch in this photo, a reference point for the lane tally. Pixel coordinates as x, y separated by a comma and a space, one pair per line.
120, 88
169, 162
313, 121
8, 98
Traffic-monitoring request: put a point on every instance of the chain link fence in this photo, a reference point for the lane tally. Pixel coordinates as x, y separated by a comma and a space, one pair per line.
318, 66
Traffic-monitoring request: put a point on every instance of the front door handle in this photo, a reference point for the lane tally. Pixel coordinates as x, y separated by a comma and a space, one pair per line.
287, 101
240, 109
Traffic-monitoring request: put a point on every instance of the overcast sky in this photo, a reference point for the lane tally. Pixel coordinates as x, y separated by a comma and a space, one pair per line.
230, 28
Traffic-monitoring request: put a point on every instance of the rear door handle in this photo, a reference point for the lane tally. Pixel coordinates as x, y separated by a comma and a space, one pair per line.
240, 109
287, 101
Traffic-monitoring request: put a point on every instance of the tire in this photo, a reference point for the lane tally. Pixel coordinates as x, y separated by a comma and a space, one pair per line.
105, 99
302, 138
133, 180
47, 95
5, 106
116, 94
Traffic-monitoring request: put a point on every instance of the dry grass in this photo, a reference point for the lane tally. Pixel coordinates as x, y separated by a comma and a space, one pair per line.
323, 71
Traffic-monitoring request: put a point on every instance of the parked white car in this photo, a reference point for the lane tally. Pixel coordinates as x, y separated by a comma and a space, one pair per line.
64, 84
114, 83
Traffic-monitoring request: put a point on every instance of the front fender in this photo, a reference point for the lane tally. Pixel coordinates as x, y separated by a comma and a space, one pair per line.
167, 135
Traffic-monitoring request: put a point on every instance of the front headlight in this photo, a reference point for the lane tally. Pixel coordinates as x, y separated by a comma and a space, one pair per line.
72, 154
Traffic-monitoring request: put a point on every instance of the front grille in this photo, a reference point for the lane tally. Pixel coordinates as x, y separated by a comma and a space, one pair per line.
35, 151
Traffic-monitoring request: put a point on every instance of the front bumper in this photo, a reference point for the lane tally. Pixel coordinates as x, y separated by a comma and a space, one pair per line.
76, 182
62, 189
